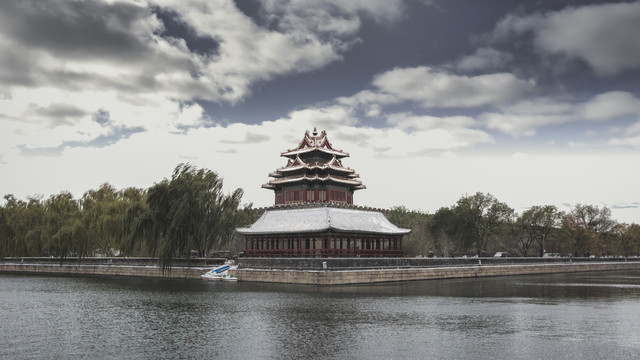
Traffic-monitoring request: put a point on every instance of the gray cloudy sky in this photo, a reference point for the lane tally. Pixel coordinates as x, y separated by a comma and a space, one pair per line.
536, 102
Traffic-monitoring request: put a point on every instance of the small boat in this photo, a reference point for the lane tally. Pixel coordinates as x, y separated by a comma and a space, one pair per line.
221, 273
229, 278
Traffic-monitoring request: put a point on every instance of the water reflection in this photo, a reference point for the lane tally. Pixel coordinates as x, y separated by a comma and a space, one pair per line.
590, 315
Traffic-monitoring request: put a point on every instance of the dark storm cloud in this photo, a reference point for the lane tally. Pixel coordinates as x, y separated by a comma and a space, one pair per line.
80, 42
602, 36
116, 134
176, 27
75, 29
57, 114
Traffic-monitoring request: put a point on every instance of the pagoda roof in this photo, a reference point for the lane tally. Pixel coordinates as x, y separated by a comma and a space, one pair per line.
291, 179
321, 219
299, 164
314, 142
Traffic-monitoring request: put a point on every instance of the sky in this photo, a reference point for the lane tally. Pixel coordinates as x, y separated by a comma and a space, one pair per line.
535, 102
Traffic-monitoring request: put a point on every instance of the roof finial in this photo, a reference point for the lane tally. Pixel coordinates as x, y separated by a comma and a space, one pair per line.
315, 131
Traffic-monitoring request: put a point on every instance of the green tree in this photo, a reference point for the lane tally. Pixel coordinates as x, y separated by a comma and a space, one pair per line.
487, 217
23, 227
416, 243
535, 225
586, 228
625, 240
452, 231
188, 213
137, 224
104, 211
63, 226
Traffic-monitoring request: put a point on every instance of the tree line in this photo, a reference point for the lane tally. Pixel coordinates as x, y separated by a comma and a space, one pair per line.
481, 225
189, 215
186, 215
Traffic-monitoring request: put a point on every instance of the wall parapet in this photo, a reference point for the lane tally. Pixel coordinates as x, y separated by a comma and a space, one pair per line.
385, 263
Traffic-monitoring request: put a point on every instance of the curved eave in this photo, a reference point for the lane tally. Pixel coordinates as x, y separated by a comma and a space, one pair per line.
337, 153
311, 167
356, 183
248, 231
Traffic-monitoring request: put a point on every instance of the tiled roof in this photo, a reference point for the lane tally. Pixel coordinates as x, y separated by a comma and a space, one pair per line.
320, 219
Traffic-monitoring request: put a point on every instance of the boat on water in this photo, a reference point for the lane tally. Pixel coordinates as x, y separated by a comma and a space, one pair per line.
221, 273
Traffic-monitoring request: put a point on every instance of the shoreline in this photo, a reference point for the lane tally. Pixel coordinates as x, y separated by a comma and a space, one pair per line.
151, 271
315, 276
372, 276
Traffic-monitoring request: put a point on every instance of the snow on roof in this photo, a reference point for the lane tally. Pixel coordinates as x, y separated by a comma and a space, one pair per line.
322, 219
310, 149
314, 178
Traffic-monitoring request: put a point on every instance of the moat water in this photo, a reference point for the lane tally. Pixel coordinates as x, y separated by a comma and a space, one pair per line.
561, 316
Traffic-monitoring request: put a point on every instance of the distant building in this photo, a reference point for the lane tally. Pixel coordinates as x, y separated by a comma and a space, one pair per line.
314, 213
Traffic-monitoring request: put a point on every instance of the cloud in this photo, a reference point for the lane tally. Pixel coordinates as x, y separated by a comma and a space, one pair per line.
632, 205
525, 117
250, 138
102, 117
69, 67
55, 114
632, 141
409, 121
434, 88
114, 135
215, 53
604, 36
483, 59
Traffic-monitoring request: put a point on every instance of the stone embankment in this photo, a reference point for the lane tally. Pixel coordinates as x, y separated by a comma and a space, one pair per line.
138, 267
363, 271
318, 271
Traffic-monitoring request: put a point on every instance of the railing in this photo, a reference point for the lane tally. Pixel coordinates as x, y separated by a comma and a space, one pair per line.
323, 253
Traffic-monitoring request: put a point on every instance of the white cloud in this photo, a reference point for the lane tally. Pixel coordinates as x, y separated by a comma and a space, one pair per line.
610, 105
60, 62
633, 141
409, 121
433, 88
483, 59
63, 44
525, 117
604, 36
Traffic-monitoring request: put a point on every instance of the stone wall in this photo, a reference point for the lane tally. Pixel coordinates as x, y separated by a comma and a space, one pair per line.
105, 270
441, 269
342, 277
127, 261
377, 263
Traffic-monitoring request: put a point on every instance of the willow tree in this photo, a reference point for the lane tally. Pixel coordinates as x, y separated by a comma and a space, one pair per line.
22, 228
137, 224
63, 226
102, 218
187, 213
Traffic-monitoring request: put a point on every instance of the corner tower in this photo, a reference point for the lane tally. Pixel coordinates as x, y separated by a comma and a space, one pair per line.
314, 174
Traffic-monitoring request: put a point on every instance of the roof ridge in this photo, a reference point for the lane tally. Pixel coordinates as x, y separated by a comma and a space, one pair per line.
326, 209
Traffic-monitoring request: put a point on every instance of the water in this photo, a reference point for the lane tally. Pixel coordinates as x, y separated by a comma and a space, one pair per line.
562, 316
